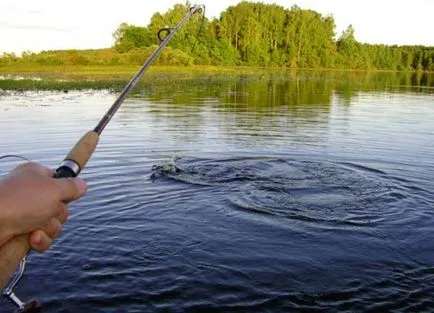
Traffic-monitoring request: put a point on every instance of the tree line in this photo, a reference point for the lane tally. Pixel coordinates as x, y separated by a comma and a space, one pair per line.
247, 34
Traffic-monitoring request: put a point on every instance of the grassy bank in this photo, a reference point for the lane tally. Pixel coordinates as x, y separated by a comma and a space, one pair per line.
77, 77
114, 77
125, 72
103, 72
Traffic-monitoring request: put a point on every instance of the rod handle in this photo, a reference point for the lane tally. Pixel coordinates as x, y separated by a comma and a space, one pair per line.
11, 254
77, 158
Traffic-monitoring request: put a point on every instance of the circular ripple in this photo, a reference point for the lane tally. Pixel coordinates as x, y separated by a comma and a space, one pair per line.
304, 190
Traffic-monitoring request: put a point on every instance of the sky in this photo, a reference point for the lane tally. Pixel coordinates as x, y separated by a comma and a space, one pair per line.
35, 25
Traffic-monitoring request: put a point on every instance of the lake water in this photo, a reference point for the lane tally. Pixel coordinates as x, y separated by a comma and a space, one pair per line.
276, 192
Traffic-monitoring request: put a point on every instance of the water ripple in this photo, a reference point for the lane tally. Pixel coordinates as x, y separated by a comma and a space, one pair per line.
311, 191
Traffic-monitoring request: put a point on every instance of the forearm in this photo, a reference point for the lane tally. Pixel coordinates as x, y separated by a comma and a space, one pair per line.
12, 249
11, 254
5, 229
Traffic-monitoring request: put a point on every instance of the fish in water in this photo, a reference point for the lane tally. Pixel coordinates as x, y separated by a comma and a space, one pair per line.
166, 169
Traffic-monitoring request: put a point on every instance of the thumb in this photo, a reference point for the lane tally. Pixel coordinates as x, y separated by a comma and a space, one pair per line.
71, 188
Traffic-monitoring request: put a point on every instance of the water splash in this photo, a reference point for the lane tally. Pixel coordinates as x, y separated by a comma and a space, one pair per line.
305, 190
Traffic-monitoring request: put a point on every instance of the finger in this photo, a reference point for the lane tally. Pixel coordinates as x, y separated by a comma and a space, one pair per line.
52, 228
46, 171
71, 188
63, 213
40, 241
36, 168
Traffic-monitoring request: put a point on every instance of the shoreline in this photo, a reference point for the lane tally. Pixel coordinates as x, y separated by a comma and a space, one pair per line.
125, 71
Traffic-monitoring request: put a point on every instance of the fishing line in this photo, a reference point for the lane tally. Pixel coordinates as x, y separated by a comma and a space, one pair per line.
167, 30
14, 156
199, 31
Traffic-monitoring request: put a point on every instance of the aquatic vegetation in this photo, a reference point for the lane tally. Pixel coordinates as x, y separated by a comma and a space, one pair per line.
248, 85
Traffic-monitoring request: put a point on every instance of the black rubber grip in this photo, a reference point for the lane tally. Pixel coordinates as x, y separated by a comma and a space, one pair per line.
63, 172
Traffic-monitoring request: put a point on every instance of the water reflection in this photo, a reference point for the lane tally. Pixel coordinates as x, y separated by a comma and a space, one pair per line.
266, 108
271, 90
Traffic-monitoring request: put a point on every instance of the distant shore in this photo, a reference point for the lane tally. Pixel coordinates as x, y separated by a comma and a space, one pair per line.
122, 72
21, 77
116, 71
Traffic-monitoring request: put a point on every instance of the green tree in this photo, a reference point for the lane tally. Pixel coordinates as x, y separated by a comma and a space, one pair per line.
128, 37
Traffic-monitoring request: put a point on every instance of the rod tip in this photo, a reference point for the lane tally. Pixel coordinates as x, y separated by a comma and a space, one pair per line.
198, 8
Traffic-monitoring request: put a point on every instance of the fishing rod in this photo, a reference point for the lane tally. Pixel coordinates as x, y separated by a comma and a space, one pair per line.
14, 253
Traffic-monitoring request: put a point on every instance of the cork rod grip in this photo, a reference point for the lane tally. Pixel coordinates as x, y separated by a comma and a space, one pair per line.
83, 149
11, 254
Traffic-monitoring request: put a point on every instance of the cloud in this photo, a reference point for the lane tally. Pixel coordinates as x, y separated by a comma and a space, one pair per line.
36, 27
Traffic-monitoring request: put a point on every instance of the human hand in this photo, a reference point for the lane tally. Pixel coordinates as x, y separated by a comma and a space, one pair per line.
33, 202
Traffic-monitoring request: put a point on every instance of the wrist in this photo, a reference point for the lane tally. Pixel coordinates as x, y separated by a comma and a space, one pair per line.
5, 229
